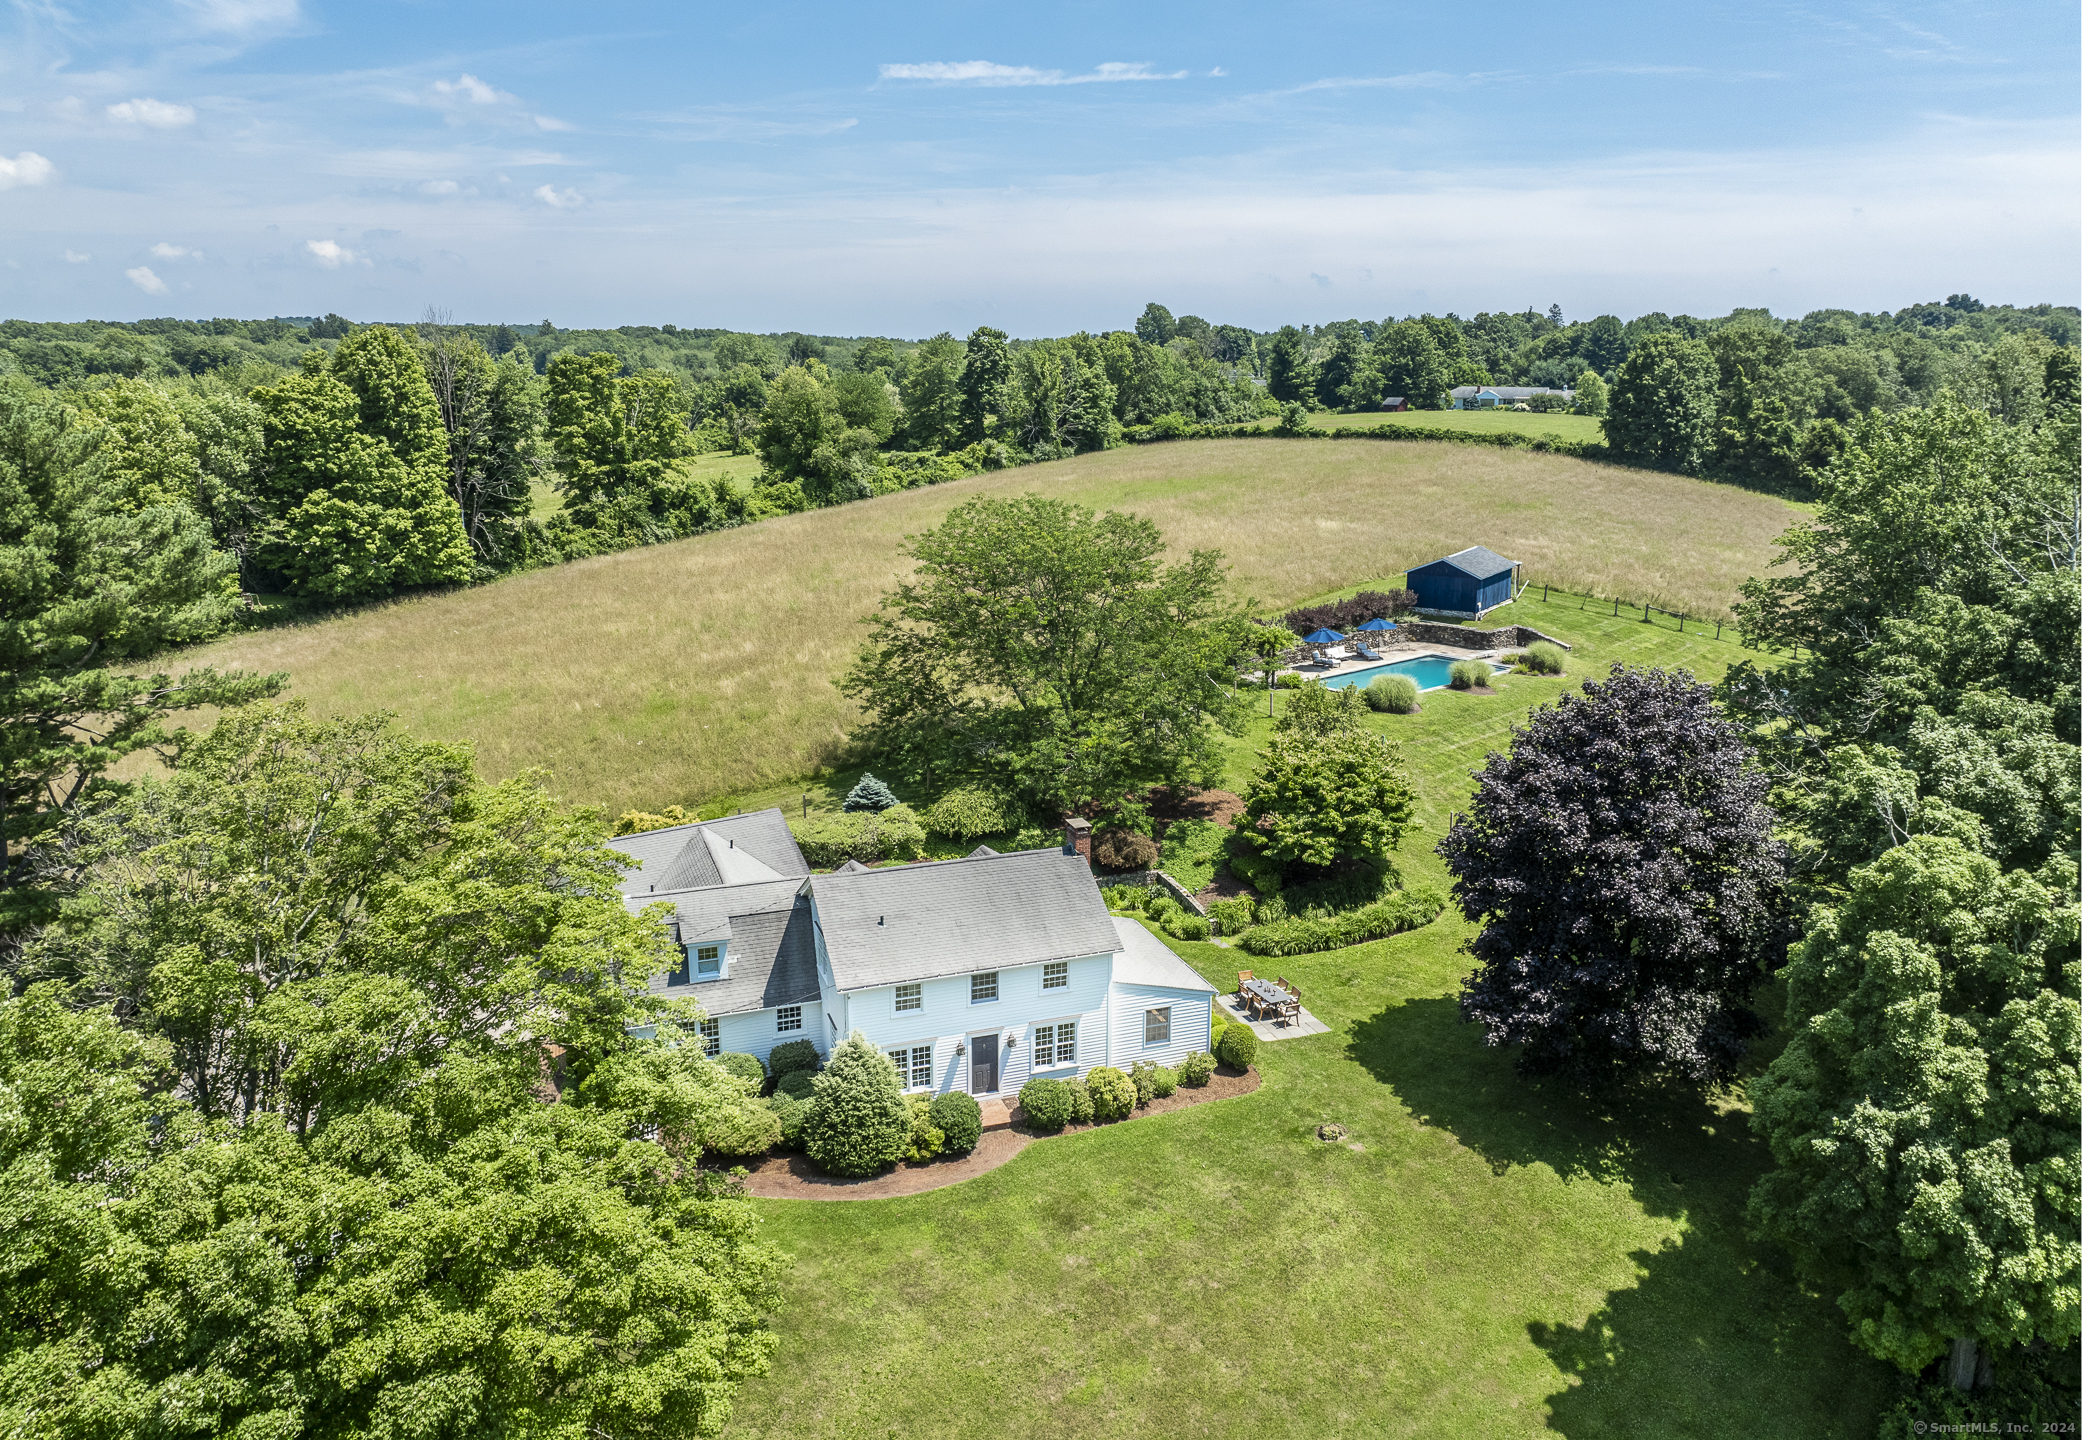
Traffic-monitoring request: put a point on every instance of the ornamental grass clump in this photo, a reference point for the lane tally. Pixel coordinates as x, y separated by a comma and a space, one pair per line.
960, 1120
1542, 658
1113, 1094
858, 1122
1468, 675
1391, 695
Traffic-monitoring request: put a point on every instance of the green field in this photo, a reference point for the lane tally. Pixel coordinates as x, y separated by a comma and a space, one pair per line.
699, 671
1582, 428
1497, 1259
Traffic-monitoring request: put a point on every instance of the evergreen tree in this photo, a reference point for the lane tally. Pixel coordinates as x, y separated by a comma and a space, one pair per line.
869, 794
858, 1122
1290, 376
986, 371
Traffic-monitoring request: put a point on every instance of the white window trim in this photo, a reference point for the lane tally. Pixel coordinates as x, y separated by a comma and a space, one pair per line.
1048, 982
781, 1027
909, 1047
694, 963
997, 986
1076, 1022
710, 1037
1148, 1011
896, 999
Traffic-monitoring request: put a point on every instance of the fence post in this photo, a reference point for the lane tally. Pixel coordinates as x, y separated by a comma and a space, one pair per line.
1615, 607
1543, 594
1644, 612
1716, 629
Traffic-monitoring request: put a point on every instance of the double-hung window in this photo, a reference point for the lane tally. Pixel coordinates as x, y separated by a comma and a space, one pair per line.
914, 1065
1055, 975
1156, 1026
910, 997
1055, 1044
712, 1037
708, 962
788, 1017
983, 988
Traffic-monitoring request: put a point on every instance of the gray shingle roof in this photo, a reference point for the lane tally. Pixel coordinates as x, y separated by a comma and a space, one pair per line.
1475, 561
766, 927
1146, 960
684, 857
984, 912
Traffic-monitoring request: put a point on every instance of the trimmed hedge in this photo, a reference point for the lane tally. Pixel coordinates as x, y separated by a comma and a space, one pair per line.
1080, 1102
1404, 910
960, 1119
745, 1067
797, 1084
1113, 1094
1046, 1104
1196, 1069
926, 1138
793, 1055
1238, 1047
863, 835
1504, 440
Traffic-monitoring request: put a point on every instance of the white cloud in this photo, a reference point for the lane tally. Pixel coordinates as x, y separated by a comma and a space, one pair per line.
472, 91
332, 254
159, 114
27, 168
439, 187
559, 200
551, 122
238, 16
143, 278
165, 251
988, 72
77, 257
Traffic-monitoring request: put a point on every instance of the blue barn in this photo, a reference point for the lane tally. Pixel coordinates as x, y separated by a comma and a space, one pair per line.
1464, 585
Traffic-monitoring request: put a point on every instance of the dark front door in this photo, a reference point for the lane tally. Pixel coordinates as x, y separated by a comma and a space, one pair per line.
983, 1064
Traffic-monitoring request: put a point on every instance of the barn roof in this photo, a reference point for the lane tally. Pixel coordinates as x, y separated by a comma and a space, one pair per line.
1475, 560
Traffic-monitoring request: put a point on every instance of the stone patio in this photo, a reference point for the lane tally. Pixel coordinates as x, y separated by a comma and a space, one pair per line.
1307, 1024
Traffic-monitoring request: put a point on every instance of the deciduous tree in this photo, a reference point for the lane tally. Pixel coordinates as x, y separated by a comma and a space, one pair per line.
1620, 861
1663, 404
1328, 788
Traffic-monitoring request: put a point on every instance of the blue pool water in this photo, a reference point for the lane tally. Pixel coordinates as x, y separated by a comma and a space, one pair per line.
1429, 671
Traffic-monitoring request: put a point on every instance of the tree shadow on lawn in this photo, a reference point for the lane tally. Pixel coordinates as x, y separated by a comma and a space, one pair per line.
1716, 1336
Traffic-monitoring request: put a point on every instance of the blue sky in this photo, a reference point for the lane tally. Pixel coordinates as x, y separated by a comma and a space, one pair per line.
902, 170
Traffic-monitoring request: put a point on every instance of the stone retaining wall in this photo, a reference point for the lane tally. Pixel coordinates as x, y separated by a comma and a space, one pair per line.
1155, 880
1467, 637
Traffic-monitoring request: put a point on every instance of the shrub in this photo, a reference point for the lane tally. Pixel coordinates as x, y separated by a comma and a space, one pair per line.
747, 1128
1238, 1047
797, 1084
635, 822
1130, 898
745, 1067
1403, 910
1543, 658
1080, 1101
972, 810
1186, 927
1391, 694
1163, 1082
1034, 837
1197, 1068
1125, 850
858, 1122
1143, 1076
960, 1119
792, 1055
1467, 674
925, 1138
1350, 614
1113, 1094
791, 1111
1047, 1104
1215, 1021
1234, 916
1287, 680
869, 794
827, 839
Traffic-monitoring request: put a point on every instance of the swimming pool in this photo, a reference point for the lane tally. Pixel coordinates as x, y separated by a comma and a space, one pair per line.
1429, 671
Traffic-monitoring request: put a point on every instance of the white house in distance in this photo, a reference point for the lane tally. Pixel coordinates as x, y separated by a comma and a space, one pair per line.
973, 974
1492, 397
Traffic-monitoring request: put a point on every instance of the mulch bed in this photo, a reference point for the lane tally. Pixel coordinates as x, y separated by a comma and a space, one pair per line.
1220, 806
793, 1177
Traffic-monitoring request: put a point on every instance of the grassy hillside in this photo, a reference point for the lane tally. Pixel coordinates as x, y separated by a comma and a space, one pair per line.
1486, 1257
685, 672
1478, 422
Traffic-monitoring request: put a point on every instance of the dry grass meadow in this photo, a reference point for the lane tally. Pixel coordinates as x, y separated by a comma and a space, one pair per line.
715, 657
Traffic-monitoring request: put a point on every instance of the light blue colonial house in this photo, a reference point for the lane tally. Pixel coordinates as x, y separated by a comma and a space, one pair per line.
973, 974
1491, 397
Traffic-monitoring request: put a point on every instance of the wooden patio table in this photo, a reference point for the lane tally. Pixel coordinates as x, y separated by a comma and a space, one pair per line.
1266, 996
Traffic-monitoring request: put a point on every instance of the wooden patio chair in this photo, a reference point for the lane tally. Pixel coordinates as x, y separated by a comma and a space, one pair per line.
1243, 978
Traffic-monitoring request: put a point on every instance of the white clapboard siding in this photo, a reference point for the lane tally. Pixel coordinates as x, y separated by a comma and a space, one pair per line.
1191, 1016
753, 1032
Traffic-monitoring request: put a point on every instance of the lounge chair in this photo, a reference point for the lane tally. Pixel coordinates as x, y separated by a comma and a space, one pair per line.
1364, 653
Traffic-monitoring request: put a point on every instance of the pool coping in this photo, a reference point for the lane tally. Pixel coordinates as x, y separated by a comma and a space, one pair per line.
1394, 656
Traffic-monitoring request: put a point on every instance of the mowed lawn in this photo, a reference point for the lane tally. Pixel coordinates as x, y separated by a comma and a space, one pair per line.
1581, 428
693, 672
1483, 1257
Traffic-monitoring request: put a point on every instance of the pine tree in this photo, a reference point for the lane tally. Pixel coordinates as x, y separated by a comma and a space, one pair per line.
870, 794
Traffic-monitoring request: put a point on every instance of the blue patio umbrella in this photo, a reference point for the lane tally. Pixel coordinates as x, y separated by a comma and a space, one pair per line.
1378, 625
1323, 637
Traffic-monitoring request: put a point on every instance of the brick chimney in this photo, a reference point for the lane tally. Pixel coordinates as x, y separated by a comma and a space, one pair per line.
1077, 837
